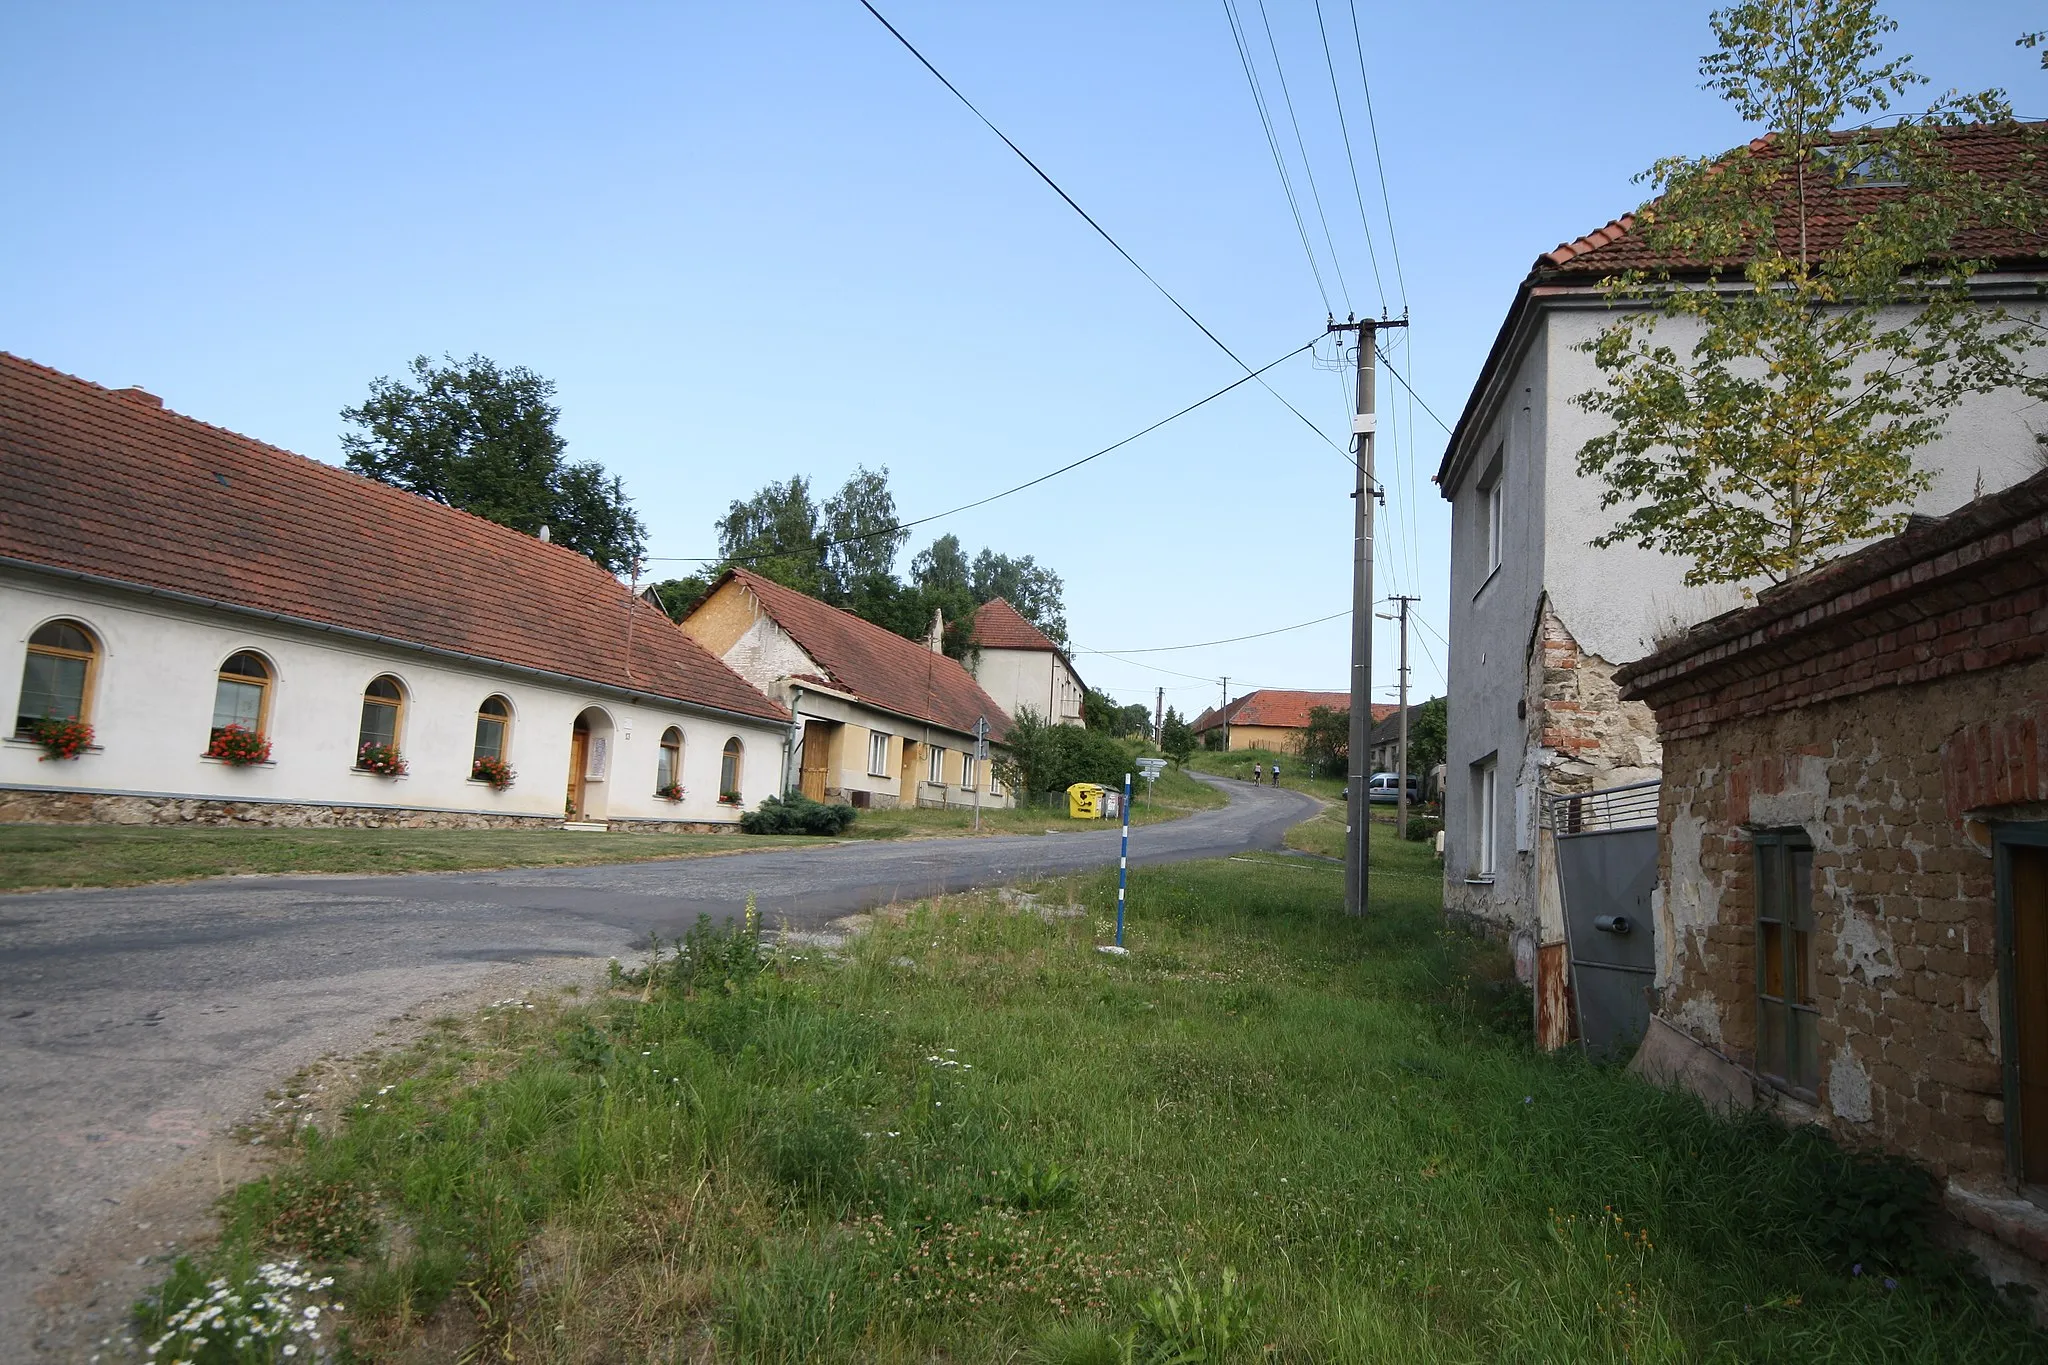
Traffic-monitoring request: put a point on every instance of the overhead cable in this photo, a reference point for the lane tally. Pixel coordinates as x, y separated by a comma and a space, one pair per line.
1244, 57
1205, 644
1357, 191
1100, 231
1411, 390
1301, 143
1386, 200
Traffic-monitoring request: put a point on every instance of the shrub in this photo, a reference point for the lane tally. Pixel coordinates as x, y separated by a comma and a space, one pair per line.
1423, 828
495, 771
61, 739
796, 814
1050, 758
238, 746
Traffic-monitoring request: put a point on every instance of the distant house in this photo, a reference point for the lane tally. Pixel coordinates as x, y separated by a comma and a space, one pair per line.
1852, 916
1540, 620
880, 720
1386, 740
163, 581
1271, 718
1018, 665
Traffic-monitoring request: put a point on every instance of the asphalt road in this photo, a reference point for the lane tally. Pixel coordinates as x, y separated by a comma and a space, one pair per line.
135, 1023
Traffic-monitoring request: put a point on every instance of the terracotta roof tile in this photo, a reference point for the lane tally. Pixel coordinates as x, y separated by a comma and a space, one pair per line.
108, 482
876, 664
998, 625
1283, 710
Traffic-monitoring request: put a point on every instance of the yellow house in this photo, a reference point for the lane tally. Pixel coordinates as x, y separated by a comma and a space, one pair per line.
1274, 719
879, 721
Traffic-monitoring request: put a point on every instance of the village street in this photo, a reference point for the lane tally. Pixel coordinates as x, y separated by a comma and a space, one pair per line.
140, 1021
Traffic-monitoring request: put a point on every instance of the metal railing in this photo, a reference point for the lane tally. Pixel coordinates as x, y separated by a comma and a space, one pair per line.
1633, 805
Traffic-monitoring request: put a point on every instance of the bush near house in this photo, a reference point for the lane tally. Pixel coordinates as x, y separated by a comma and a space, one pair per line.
1050, 758
796, 814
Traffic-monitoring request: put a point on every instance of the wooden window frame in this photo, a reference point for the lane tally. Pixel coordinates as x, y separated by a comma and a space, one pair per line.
222, 675
734, 752
2005, 837
968, 776
935, 765
1487, 798
397, 716
504, 723
878, 753
87, 688
671, 754
1774, 853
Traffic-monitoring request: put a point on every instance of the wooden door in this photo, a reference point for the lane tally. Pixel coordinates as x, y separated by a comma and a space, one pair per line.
579, 763
913, 764
2030, 1005
817, 746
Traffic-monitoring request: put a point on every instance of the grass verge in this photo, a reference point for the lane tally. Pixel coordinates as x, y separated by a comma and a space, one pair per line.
1173, 797
1271, 1132
1237, 763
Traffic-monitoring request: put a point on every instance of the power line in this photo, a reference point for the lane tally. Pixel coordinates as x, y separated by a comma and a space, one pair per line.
1358, 43
1100, 231
1357, 192
1301, 144
1412, 394
1244, 58
1204, 644
983, 502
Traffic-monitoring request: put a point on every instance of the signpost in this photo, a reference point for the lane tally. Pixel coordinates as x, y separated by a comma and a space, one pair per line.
980, 765
1151, 768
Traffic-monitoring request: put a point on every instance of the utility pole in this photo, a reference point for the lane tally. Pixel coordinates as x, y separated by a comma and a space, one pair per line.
1225, 712
1403, 789
1159, 720
1357, 808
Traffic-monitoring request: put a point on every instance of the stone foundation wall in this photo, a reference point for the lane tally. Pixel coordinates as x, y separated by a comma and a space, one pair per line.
79, 808
1905, 941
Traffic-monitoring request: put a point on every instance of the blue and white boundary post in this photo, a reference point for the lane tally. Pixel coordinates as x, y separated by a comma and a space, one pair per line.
1123, 863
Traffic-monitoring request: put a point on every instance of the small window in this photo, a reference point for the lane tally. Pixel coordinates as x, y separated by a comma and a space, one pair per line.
1787, 1012
56, 679
383, 709
1485, 788
995, 781
241, 697
935, 765
668, 769
878, 754
968, 776
493, 727
729, 769
1492, 499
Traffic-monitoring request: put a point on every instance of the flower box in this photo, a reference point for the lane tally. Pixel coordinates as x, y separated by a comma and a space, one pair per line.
673, 792
61, 739
381, 759
238, 747
495, 771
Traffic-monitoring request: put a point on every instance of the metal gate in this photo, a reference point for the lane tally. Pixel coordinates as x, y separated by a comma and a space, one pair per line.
1606, 869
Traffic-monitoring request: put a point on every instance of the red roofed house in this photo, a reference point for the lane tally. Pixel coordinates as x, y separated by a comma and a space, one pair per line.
1540, 620
1018, 665
1274, 719
884, 721
165, 581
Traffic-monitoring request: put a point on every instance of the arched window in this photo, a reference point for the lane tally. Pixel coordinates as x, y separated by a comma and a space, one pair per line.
242, 695
493, 728
729, 769
56, 680
668, 769
383, 709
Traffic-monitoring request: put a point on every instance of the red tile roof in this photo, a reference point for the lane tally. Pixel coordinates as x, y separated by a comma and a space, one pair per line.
1998, 153
1282, 710
111, 483
873, 663
998, 625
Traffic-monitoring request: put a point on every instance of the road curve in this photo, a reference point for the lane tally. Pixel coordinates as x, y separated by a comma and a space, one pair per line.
136, 1022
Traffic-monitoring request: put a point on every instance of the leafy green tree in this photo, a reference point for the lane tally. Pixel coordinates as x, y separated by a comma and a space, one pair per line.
862, 538
943, 581
473, 436
1428, 736
777, 534
1821, 355
1040, 757
1176, 737
679, 596
1326, 742
1035, 591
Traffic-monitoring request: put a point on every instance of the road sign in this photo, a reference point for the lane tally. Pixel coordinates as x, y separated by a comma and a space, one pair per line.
981, 738
1151, 768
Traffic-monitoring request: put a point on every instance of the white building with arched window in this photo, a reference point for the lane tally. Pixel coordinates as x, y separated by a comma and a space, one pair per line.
200, 627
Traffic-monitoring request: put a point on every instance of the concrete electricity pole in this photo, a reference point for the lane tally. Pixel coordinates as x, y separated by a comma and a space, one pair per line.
1159, 720
1357, 808
1403, 619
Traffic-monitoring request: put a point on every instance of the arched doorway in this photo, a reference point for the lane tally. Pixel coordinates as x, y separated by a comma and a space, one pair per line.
590, 764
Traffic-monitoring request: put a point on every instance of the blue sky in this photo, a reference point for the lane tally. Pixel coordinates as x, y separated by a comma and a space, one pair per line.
748, 241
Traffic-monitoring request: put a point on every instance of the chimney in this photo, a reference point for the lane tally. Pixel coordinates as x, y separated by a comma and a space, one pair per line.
936, 641
140, 396
544, 538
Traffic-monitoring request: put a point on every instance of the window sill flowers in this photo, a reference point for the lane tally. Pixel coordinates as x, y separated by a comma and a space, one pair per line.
729, 798
381, 759
61, 739
672, 792
495, 771
238, 747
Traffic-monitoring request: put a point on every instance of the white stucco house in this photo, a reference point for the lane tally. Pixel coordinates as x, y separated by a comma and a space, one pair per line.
1018, 665
382, 657
880, 721
1540, 620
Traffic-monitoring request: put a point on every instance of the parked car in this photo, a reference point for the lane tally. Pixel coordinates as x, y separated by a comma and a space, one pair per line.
1386, 787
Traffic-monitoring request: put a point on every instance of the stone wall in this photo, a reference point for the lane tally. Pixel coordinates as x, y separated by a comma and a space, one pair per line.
1589, 736
78, 808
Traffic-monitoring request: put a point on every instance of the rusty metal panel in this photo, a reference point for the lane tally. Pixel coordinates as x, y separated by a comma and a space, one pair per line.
1606, 878
1553, 997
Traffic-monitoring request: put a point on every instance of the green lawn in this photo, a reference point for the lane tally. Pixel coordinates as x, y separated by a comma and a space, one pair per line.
128, 855
1270, 1133
1293, 772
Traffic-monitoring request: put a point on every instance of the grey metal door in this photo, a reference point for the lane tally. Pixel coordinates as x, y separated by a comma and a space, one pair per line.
1606, 871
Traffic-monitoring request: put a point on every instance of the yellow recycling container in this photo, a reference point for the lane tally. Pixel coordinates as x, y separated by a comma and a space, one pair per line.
1084, 800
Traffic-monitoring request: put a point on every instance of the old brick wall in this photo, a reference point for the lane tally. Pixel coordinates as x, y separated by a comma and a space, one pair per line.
1905, 941
1589, 736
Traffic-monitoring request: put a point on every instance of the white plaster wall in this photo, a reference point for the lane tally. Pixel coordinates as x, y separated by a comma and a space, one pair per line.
1617, 601
766, 654
1020, 677
152, 707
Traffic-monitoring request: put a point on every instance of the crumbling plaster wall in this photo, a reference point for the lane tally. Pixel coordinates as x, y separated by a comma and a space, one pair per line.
1904, 943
